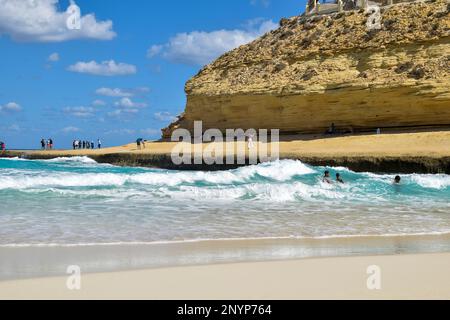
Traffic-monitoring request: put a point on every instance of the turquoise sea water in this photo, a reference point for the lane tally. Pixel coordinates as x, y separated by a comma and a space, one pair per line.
75, 201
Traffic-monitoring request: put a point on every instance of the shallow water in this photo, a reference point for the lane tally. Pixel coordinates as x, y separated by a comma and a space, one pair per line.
76, 201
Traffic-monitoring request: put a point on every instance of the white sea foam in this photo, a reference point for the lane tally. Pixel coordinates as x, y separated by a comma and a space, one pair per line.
432, 181
72, 159
62, 180
13, 159
278, 171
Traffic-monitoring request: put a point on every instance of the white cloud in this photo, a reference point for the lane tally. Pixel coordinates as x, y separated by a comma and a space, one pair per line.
164, 116
201, 48
108, 92
98, 103
71, 129
128, 103
106, 68
122, 112
79, 112
121, 93
154, 50
42, 21
10, 107
54, 57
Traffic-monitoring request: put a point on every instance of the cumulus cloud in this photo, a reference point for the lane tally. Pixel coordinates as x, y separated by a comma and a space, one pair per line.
116, 92
79, 112
10, 107
200, 48
121, 93
128, 103
106, 68
42, 21
54, 57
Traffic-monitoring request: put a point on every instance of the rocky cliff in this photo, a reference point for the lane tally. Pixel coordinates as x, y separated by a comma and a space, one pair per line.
323, 69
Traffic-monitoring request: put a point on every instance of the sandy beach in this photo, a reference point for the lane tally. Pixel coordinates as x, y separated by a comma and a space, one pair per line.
422, 276
430, 144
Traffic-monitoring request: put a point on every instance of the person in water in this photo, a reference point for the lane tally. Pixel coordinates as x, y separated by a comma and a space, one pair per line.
326, 177
339, 179
397, 180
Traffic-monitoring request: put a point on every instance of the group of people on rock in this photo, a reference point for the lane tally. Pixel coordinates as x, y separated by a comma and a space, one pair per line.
47, 144
85, 144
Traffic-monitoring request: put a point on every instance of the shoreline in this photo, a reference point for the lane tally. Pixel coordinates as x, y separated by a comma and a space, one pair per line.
403, 153
415, 276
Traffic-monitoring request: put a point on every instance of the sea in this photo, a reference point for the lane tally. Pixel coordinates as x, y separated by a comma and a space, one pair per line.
276, 210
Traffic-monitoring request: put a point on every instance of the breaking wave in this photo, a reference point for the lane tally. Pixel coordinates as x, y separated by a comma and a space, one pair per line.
76, 200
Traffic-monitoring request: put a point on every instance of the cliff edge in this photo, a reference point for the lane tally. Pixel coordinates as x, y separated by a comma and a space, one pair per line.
336, 68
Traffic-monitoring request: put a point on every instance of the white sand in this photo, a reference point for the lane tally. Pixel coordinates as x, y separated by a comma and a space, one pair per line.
424, 276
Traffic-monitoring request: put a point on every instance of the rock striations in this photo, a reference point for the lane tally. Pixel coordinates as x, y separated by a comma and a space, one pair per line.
323, 69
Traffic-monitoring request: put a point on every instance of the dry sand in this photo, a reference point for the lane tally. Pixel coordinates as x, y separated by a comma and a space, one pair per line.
424, 276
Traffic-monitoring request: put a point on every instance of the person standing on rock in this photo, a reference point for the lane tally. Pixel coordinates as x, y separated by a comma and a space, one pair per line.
139, 142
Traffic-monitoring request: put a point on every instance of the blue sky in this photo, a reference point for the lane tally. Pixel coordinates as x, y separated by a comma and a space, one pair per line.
122, 75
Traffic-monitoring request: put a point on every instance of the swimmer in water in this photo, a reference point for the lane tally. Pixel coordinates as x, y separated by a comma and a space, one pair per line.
326, 177
339, 179
397, 180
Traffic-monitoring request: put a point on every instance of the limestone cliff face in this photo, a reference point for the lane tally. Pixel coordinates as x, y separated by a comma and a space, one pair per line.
314, 71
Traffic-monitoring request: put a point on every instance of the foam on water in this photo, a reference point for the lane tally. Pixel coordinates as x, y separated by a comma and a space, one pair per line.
75, 201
